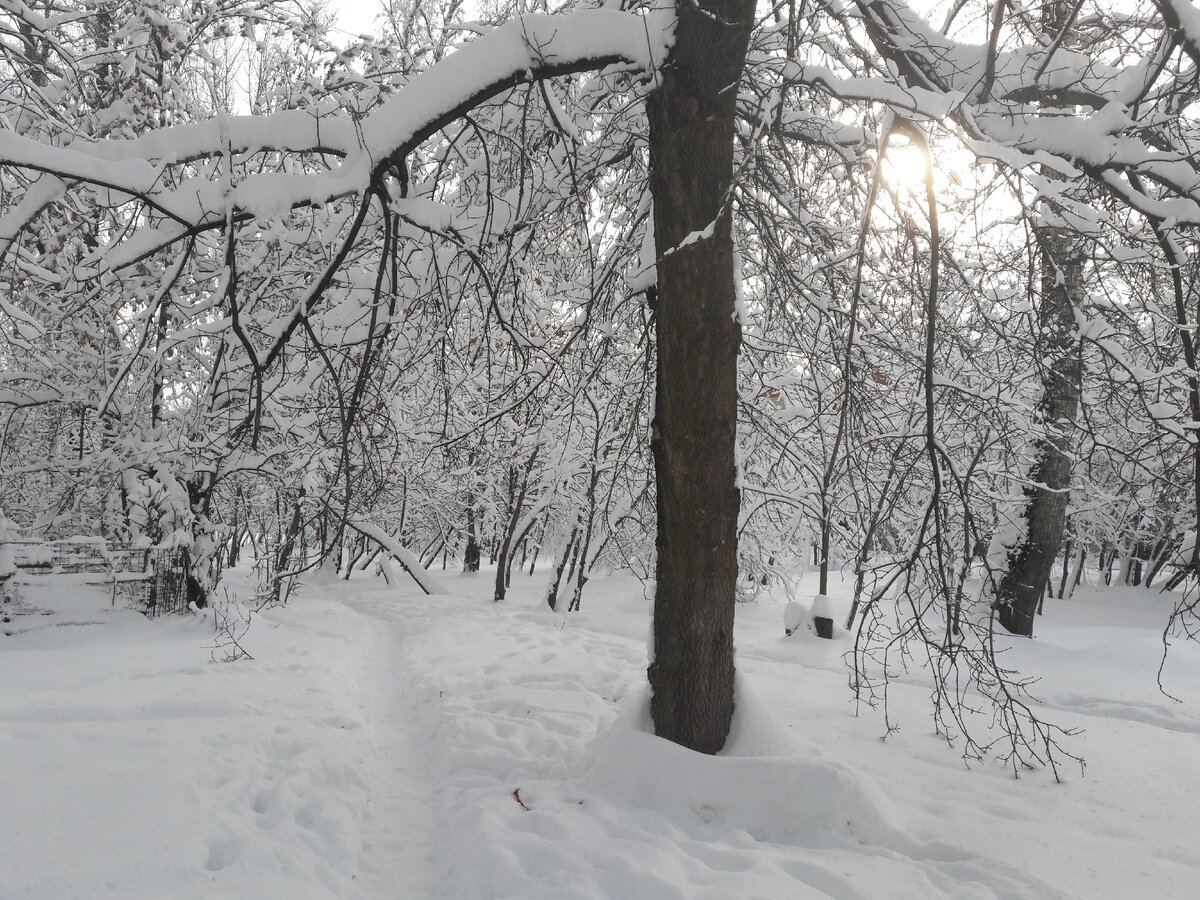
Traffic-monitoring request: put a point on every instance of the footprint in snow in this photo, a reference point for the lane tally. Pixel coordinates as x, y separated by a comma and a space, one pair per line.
222, 854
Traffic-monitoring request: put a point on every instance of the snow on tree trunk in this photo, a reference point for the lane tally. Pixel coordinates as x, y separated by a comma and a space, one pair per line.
1031, 561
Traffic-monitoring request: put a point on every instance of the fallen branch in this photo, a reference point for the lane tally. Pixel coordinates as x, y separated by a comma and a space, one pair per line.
407, 559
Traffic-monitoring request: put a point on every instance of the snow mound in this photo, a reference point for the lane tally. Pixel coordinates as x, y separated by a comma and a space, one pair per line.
757, 784
755, 731
794, 616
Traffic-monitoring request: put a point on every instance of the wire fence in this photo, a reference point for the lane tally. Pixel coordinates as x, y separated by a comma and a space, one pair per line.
150, 580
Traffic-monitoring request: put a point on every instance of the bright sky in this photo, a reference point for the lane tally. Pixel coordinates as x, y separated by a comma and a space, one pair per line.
356, 16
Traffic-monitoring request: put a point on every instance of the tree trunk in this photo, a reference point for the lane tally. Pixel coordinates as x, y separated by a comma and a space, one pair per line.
235, 541
537, 547
1126, 563
517, 503
1076, 573
1030, 562
471, 554
1163, 551
556, 580
823, 579
1067, 555
285, 549
691, 119
510, 533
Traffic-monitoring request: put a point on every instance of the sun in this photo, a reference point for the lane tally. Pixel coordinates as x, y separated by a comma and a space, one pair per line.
904, 166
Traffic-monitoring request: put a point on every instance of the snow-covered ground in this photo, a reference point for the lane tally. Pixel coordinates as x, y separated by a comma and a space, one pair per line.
382, 743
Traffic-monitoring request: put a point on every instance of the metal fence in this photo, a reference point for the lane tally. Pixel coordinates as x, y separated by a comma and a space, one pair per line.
165, 584
150, 580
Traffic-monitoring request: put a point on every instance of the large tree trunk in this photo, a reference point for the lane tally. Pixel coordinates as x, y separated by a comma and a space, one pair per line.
691, 169
1061, 262
1030, 562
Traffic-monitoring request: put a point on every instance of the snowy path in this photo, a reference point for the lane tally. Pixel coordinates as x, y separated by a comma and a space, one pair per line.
399, 846
373, 747
132, 766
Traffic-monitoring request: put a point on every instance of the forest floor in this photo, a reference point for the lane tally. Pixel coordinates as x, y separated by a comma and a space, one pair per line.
384, 744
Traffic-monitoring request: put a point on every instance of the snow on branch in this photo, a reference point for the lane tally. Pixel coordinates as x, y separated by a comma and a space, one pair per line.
1183, 18
528, 48
1019, 106
976, 73
407, 559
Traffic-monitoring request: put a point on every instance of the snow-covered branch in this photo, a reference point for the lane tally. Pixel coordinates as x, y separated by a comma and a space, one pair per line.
529, 48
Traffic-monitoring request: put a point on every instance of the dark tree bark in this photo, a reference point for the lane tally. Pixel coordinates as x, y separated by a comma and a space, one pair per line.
199, 572
471, 554
235, 539
561, 564
286, 546
691, 169
1067, 554
1030, 562
1061, 262
510, 529
537, 548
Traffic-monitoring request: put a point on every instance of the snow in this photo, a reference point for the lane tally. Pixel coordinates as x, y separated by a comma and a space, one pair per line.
822, 607
915, 100
404, 556
529, 46
382, 743
794, 616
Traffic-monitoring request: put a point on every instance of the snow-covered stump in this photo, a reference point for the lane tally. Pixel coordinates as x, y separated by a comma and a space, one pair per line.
795, 615
822, 616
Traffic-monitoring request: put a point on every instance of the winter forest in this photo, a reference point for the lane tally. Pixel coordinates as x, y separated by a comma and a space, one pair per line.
599, 448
